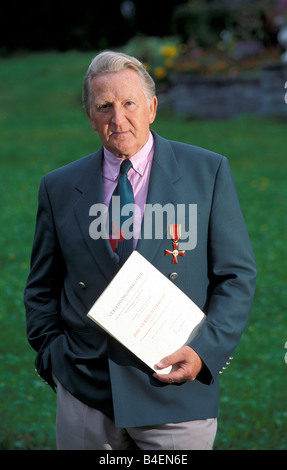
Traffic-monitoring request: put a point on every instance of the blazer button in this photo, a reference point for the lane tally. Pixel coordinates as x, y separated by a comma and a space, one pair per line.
173, 276
82, 285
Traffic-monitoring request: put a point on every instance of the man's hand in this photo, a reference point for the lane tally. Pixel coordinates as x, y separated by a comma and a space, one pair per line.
187, 365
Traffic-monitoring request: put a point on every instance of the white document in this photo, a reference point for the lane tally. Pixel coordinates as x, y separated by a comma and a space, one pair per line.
146, 312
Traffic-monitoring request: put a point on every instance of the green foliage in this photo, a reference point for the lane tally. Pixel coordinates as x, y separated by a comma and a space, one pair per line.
200, 20
205, 20
159, 55
166, 57
43, 127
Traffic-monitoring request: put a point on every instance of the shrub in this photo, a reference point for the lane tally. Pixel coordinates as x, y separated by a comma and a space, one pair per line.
159, 55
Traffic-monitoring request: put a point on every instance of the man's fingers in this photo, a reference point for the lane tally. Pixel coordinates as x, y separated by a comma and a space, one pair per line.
186, 365
172, 359
173, 377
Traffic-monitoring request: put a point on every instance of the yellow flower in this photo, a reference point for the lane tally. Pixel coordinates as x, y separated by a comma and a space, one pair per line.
169, 51
160, 72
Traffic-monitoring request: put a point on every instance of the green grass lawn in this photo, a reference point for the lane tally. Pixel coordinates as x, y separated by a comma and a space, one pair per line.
43, 127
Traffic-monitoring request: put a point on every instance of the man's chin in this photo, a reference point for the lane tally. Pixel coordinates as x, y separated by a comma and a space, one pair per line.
122, 149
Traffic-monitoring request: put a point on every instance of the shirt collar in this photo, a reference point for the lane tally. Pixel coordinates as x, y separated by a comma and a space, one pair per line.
111, 165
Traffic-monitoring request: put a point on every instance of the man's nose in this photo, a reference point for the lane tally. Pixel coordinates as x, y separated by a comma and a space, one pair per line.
118, 115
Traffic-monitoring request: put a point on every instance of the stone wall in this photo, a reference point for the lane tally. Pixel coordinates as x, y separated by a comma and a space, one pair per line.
273, 91
221, 98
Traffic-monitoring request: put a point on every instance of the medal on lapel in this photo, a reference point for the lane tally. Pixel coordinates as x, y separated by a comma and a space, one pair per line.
175, 233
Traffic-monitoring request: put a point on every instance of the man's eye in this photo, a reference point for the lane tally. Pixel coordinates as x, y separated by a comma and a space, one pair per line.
103, 107
129, 103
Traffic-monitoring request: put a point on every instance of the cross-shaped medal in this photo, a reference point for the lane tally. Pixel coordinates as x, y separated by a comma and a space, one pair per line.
175, 252
175, 232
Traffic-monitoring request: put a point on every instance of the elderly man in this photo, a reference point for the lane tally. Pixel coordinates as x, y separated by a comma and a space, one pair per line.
107, 398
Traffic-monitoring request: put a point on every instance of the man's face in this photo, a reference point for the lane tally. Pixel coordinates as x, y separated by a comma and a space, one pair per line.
120, 112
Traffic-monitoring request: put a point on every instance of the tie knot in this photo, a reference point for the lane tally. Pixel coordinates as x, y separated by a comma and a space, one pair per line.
125, 166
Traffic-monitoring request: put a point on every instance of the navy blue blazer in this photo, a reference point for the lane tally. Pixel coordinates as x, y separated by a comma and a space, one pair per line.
69, 270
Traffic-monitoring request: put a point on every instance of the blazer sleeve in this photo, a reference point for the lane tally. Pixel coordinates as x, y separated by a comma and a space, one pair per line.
43, 289
232, 274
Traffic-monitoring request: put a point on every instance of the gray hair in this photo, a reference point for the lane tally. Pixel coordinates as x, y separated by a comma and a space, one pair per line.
109, 61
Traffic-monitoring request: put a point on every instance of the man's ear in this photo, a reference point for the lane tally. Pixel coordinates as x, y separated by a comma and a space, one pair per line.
92, 122
152, 109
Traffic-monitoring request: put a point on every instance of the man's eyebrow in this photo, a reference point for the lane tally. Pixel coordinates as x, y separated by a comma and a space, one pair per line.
101, 102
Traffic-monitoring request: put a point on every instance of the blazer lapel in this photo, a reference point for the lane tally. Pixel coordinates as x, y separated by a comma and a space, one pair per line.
91, 194
165, 173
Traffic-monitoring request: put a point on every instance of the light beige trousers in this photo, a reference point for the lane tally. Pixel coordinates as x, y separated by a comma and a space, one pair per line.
79, 427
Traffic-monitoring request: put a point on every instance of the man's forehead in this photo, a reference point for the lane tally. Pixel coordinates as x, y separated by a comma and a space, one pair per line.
108, 85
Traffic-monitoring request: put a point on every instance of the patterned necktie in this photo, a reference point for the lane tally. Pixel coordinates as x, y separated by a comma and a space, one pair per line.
125, 192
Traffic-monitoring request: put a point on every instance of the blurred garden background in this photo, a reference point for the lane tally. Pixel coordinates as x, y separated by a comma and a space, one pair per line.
45, 49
